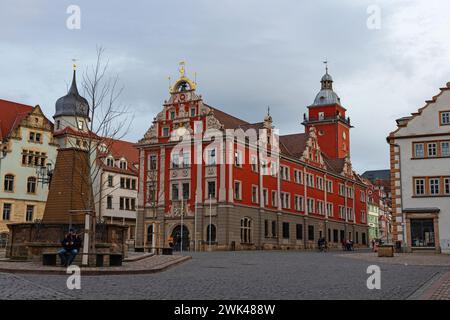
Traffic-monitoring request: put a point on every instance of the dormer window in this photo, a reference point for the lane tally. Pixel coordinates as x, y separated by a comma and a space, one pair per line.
110, 162
123, 165
80, 124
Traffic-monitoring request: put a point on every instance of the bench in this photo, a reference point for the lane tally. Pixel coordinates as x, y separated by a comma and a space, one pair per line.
115, 259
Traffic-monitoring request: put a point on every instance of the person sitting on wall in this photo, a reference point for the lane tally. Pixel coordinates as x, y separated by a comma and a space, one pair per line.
71, 245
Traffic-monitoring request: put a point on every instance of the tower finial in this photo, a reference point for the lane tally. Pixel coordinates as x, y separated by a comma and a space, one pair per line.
326, 66
268, 110
182, 69
74, 66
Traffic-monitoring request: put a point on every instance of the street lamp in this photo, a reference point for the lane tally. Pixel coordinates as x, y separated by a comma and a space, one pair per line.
44, 173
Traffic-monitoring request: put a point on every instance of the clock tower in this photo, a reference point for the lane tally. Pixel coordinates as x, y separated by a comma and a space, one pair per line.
327, 116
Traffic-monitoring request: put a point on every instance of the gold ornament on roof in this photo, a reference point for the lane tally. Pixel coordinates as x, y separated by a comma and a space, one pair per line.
183, 82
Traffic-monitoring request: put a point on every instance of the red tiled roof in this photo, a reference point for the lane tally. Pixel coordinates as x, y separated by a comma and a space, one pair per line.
74, 132
336, 165
11, 114
121, 148
228, 121
293, 144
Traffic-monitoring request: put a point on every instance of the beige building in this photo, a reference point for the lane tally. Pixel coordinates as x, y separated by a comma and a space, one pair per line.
116, 185
420, 176
26, 145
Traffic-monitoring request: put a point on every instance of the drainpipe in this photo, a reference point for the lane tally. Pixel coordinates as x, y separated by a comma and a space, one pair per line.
405, 241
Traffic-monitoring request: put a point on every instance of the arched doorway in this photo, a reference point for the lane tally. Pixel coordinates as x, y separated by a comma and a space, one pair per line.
176, 236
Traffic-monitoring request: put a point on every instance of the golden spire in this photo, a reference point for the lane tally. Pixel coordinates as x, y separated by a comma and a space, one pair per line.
74, 64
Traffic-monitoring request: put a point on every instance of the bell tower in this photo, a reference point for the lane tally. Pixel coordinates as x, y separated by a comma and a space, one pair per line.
327, 116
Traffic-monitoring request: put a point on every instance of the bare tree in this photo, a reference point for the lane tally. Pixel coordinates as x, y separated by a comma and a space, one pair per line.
109, 120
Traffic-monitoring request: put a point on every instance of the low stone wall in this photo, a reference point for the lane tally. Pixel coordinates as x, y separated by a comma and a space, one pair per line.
29, 240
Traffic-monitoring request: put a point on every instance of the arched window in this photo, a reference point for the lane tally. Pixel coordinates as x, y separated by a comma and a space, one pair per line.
211, 233
246, 230
123, 164
9, 183
31, 185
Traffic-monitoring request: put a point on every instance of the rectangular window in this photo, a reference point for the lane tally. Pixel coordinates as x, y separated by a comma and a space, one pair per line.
31, 137
133, 204
342, 190
274, 229
335, 236
298, 203
7, 211
29, 213
212, 189
320, 183
432, 149
285, 230
165, 132
266, 197
238, 159
447, 185
133, 184
109, 202
311, 233
419, 186
193, 112
237, 190
299, 231
172, 115
186, 194
266, 228
152, 162
254, 194
211, 157
175, 194
434, 186
38, 138
329, 209
311, 206
274, 199
445, 118
329, 186
121, 203
127, 203
254, 164
445, 148
110, 181
419, 150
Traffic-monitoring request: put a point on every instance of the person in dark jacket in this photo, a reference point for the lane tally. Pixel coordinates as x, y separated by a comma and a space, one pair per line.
71, 246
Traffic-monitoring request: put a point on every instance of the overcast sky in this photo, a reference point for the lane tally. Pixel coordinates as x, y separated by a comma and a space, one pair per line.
248, 54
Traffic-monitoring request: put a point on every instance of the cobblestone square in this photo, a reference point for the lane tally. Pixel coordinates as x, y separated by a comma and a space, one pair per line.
239, 275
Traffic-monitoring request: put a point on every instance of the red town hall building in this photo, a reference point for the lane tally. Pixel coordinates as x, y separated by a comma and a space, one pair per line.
195, 199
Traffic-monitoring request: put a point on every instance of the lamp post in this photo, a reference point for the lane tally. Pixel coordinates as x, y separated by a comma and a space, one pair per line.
44, 173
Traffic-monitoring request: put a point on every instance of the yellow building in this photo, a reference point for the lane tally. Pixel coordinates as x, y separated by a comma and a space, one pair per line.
27, 146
